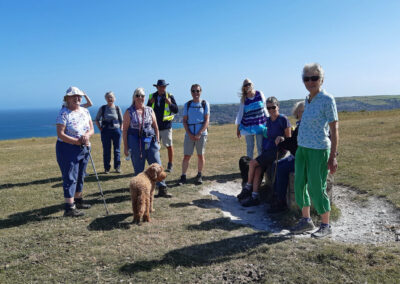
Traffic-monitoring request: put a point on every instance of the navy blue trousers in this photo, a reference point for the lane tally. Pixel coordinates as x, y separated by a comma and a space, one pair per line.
285, 167
113, 136
72, 160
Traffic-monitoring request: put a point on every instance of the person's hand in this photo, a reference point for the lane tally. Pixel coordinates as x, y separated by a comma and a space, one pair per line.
332, 164
168, 100
101, 129
126, 152
192, 137
84, 139
238, 133
152, 101
279, 139
197, 137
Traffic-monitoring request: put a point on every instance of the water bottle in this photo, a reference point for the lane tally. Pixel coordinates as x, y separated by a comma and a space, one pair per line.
128, 158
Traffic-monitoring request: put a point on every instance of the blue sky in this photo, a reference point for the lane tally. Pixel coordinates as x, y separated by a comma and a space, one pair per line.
47, 46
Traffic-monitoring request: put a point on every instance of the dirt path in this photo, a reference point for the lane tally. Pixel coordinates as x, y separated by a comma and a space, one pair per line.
374, 221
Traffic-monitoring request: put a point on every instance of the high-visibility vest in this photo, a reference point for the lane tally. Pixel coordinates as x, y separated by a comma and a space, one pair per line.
168, 116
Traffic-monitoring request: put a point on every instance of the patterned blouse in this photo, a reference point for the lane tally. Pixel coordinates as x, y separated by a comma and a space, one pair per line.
76, 122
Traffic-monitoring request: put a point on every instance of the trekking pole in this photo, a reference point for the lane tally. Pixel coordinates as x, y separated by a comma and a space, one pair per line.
98, 182
276, 167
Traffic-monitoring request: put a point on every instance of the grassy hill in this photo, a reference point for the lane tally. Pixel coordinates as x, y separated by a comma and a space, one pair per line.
226, 113
188, 240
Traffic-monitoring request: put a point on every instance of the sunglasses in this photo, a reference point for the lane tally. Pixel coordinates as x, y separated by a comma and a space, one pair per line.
140, 96
312, 78
195, 91
247, 85
271, 107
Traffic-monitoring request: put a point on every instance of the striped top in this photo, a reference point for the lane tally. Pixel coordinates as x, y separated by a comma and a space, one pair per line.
252, 115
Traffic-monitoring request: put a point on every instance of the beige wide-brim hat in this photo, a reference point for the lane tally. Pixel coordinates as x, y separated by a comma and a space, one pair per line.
72, 91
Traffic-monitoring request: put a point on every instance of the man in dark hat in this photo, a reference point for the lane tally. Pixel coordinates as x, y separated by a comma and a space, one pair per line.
165, 108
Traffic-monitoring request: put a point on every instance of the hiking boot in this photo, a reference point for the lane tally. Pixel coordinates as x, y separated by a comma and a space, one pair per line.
302, 226
277, 207
198, 179
163, 192
80, 204
322, 232
169, 168
73, 212
118, 170
245, 193
251, 201
182, 180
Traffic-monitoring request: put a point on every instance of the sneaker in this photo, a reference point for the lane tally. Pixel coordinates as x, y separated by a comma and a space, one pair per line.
245, 193
169, 168
118, 170
73, 212
198, 179
322, 232
82, 205
251, 202
182, 180
106, 172
163, 192
302, 226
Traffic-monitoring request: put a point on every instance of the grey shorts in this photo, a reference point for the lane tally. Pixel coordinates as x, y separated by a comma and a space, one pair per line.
188, 145
166, 137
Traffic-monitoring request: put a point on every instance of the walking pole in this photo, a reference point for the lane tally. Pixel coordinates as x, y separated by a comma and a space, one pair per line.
98, 182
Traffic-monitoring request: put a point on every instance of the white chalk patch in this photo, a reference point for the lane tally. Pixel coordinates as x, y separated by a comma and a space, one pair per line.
372, 222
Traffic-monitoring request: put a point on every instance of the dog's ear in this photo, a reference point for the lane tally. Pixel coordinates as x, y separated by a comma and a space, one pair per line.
152, 171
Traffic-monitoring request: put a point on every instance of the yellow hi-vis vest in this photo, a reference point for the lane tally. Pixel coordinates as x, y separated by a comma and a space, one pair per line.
167, 113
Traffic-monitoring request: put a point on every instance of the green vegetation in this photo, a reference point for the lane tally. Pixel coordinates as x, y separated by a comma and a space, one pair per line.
188, 241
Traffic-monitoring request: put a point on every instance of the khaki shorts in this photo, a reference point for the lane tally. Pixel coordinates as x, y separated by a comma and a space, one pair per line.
166, 137
188, 146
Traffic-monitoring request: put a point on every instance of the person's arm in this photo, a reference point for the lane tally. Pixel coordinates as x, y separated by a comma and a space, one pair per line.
173, 107
151, 101
84, 139
205, 125
155, 126
88, 101
287, 133
126, 122
66, 138
239, 117
97, 119
186, 126
332, 162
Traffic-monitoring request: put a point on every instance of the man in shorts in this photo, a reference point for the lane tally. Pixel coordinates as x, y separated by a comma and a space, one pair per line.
165, 108
196, 117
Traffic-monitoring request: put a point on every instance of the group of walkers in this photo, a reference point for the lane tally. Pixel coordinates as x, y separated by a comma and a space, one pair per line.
312, 144
142, 128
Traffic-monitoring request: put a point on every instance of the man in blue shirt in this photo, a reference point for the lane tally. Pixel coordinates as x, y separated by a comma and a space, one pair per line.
196, 117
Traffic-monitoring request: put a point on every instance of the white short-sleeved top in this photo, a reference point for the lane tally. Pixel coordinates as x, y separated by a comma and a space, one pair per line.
314, 126
76, 122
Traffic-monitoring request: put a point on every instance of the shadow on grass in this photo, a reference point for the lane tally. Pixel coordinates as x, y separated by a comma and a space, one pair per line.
41, 214
110, 222
41, 181
222, 178
102, 178
219, 223
111, 191
205, 254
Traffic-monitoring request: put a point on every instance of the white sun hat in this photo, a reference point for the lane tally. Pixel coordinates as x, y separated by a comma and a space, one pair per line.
72, 91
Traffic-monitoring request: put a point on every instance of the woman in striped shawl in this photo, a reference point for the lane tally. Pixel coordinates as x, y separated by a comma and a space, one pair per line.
251, 117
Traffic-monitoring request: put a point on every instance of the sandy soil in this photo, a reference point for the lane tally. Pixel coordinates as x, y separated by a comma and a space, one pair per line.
374, 221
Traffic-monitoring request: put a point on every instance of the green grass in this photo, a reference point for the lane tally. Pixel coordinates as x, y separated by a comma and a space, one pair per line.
188, 241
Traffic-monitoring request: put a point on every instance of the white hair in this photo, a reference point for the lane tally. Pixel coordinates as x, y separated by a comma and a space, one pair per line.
138, 91
110, 93
296, 108
313, 67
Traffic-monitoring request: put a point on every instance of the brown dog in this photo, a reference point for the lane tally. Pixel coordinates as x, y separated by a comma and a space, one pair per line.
142, 191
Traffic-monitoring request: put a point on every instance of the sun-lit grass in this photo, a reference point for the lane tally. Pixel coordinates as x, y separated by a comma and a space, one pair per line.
189, 241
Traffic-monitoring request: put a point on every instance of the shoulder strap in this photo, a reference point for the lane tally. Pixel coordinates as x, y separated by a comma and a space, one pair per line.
188, 106
103, 110
203, 104
119, 115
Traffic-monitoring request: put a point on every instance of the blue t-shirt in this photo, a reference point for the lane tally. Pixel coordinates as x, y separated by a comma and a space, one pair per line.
195, 116
274, 129
314, 127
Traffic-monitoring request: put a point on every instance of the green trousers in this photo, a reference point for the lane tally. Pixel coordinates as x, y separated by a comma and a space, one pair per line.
311, 172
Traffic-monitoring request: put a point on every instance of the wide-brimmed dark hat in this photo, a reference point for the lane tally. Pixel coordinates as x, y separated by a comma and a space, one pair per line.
160, 83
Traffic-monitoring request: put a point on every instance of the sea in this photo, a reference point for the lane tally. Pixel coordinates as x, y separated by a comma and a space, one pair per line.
28, 123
